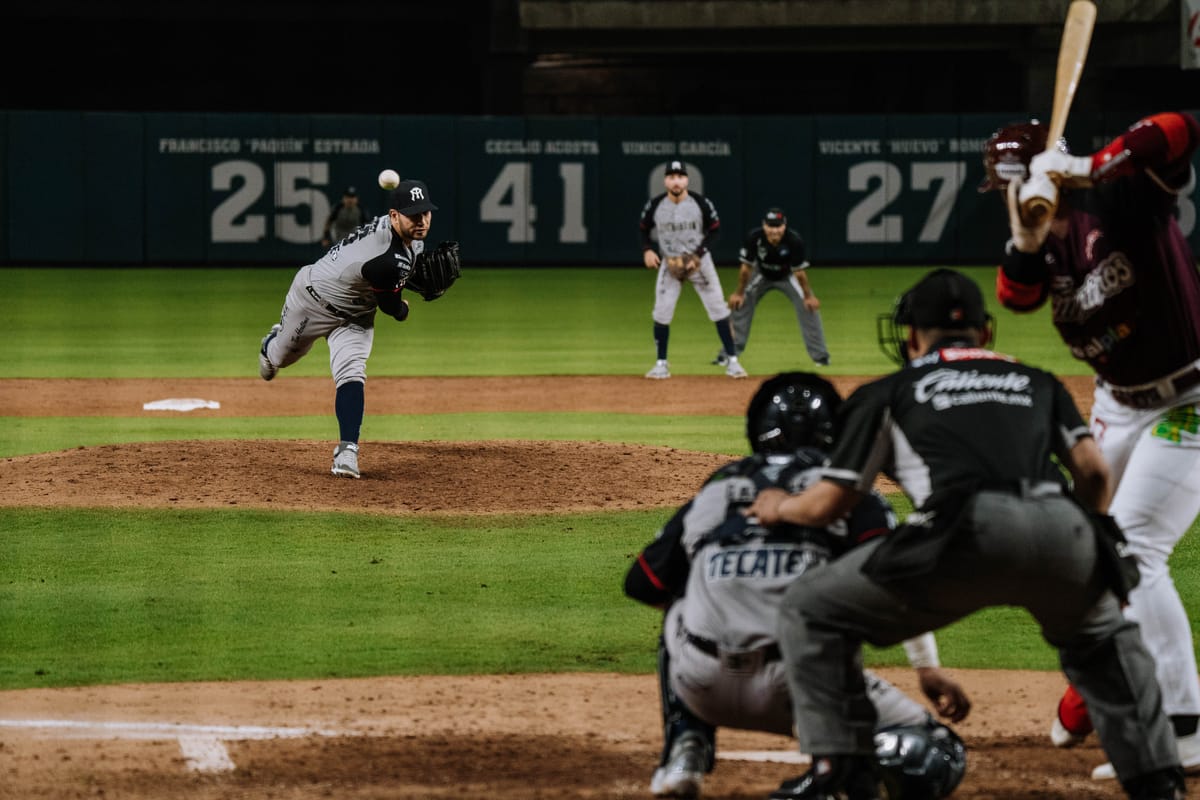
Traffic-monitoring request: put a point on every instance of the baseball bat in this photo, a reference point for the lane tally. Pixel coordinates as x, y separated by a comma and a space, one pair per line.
1072, 52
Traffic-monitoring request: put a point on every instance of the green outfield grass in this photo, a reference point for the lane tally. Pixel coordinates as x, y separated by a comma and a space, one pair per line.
99, 596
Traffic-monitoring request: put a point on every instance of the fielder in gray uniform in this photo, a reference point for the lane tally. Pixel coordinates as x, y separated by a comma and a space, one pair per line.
337, 297
686, 224
979, 442
721, 579
773, 257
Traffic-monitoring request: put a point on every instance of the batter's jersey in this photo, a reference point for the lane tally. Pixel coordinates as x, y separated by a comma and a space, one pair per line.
1122, 282
732, 573
775, 262
958, 418
689, 226
372, 259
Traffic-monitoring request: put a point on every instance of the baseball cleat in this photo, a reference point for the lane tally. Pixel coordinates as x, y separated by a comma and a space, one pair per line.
734, 368
345, 460
683, 774
1061, 737
267, 370
1189, 759
823, 362
659, 371
721, 359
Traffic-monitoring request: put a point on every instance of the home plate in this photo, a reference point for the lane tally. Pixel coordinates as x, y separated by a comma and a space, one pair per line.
772, 756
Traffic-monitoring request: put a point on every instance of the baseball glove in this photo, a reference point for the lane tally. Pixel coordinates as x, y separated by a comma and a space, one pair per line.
682, 267
434, 272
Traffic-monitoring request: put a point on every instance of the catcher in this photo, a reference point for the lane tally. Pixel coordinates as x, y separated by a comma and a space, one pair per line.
338, 296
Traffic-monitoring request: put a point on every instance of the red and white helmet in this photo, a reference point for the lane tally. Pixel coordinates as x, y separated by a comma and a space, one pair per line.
1007, 154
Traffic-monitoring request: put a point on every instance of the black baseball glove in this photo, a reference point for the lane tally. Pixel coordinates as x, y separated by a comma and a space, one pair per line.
434, 272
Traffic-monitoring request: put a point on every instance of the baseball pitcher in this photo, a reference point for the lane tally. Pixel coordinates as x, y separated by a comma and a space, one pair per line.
337, 297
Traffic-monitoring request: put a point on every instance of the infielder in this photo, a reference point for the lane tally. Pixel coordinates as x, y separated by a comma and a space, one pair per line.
337, 297
979, 443
773, 257
721, 579
1125, 297
687, 225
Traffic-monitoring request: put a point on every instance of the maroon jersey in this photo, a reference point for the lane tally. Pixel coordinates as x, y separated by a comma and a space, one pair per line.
1116, 268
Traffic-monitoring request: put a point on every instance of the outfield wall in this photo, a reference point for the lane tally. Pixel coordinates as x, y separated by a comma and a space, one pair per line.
234, 189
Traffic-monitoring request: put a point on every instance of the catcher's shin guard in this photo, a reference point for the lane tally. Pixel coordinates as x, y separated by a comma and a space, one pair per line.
678, 720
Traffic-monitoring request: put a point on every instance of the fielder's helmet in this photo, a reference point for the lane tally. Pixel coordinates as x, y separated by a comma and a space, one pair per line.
793, 410
920, 762
1006, 155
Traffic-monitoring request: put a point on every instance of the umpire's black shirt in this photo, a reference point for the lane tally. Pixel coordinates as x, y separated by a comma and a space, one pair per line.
957, 417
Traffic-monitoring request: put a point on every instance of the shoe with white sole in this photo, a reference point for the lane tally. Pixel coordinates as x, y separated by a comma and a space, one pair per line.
734, 368
683, 774
1189, 759
345, 460
267, 370
721, 359
660, 371
1061, 737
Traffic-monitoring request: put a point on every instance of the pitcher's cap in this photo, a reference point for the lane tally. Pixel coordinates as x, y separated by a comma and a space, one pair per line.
411, 197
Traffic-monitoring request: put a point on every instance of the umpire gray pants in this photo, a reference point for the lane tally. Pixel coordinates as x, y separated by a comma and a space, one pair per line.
809, 321
1038, 553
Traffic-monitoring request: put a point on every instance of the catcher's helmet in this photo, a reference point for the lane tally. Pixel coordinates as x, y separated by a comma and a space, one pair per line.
1006, 155
793, 410
920, 762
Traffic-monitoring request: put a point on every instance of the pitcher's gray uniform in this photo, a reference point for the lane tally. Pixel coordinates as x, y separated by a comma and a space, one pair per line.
337, 297
720, 636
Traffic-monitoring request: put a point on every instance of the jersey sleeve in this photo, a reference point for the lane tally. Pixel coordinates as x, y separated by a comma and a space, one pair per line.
872, 517
646, 223
659, 573
748, 255
864, 446
1068, 421
799, 255
710, 224
1162, 143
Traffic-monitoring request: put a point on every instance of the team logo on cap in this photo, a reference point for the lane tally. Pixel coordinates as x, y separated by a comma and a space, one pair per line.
415, 194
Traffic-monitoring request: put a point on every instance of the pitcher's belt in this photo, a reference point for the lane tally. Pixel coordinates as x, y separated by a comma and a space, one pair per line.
708, 646
1159, 392
330, 307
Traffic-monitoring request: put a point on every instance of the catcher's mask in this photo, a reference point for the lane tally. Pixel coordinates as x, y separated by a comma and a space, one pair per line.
920, 762
943, 299
793, 410
1007, 153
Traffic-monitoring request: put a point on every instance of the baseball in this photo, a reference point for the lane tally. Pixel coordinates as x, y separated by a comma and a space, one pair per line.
389, 179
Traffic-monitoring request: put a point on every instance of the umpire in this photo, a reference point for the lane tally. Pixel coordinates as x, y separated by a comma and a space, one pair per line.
969, 435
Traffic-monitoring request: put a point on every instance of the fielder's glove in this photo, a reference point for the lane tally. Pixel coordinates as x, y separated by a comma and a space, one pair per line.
434, 272
682, 267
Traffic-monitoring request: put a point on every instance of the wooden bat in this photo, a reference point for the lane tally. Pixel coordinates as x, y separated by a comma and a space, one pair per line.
1072, 52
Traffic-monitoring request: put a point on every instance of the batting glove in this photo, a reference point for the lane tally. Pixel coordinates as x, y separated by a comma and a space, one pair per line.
1063, 168
1026, 237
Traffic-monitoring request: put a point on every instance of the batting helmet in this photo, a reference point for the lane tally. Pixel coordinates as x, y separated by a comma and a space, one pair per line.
920, 762
793, 410
1006, 155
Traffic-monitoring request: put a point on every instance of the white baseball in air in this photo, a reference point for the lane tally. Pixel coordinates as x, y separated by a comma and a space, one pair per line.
389, 179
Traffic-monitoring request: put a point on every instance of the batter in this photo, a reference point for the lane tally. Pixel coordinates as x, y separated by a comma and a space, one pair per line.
1125, 297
